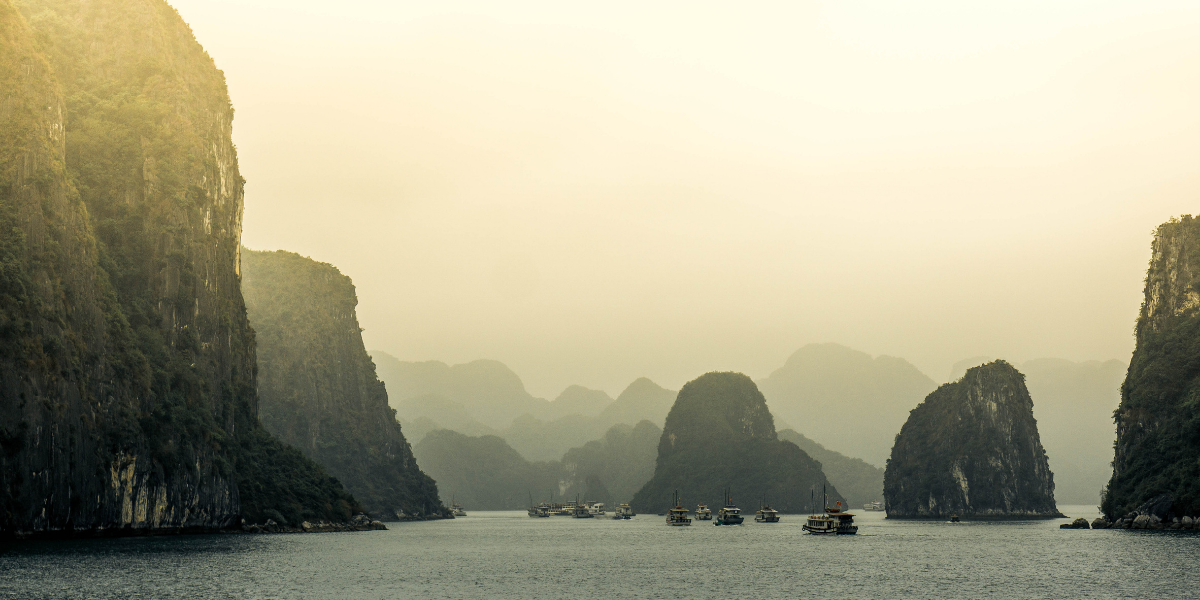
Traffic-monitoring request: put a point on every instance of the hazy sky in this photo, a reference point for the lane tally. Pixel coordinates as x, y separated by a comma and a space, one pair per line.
592, 192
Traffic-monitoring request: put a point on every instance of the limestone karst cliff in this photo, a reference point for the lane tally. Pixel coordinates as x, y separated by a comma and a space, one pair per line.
720, 434
971, 449
127, 397
317, 387
1157, 457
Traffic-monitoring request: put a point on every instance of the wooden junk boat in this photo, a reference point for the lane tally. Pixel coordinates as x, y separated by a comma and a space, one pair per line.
678, 514
834, 521
729, 514
766, 514
623, 512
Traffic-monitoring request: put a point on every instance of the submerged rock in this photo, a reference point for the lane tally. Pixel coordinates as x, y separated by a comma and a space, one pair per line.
972, 449
1080, 523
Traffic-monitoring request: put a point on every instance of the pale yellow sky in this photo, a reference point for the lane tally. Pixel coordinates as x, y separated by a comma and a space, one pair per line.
596, 192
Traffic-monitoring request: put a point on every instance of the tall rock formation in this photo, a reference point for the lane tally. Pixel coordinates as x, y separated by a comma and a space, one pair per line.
971, 449
1157, 458
127, 395
317, 386
720, 434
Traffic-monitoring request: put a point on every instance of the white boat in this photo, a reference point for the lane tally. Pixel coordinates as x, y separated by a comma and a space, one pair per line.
729, 514
678, 514
596, 508
875, 506
457, 509
833, 522
703, 513
766, 514
624, 511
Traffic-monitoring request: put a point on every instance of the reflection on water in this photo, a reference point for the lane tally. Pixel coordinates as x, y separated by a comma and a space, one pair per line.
508, 555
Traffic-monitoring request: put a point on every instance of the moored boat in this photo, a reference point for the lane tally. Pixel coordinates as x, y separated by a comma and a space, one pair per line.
457, 510
729, 514
766, 514
875, 506
677, 515
834, 521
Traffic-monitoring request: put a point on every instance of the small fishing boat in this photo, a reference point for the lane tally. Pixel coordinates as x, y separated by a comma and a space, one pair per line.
729, 514
703, 513
678, 514
955, 519
624, 511
766, 514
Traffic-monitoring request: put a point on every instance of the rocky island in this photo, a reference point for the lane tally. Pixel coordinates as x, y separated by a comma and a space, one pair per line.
1156, 468
971, 449
317, 386
719, 434
127, 368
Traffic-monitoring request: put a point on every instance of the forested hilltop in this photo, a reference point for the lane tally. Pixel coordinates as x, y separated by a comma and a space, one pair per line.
1156, 468
317, 385
127, 364
720, 434
972, 449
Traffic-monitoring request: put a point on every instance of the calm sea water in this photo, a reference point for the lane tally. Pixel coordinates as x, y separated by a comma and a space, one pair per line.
509, 555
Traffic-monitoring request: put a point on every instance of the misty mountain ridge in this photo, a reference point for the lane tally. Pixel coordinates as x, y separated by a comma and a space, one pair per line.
486, 473
819, 378
485, 397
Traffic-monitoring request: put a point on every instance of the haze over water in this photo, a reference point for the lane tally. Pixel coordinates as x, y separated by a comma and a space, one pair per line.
593, 193
509, 555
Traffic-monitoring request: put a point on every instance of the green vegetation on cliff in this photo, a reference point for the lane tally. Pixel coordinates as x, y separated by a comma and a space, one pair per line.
123, 324
720, 434
1158, 421
972, 449
317, 385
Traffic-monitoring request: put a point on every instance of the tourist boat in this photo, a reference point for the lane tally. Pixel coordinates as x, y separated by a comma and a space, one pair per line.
729, 514
703, 513
624, 511
834, 521
456, 508
678, 514
766, 514
875, 506
539, 510
581, 511
596, 508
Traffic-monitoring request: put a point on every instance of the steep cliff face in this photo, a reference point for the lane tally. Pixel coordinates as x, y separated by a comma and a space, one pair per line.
971, 449
317, 385
1158, 421
720, 434
128, 364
